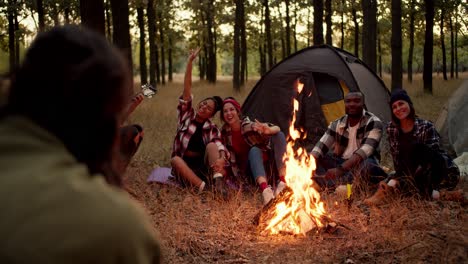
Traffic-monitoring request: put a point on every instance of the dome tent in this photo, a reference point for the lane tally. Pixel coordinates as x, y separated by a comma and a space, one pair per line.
328, 74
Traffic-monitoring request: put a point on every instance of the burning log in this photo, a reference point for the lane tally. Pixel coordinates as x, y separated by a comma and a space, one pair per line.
297, 209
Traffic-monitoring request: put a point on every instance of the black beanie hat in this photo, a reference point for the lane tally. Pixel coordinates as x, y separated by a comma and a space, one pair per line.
400, 94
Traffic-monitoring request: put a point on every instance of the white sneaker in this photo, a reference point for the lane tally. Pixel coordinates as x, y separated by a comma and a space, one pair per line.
267, 195
280, 188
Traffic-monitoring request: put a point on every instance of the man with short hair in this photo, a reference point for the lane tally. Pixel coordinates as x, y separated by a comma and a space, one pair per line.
352, 140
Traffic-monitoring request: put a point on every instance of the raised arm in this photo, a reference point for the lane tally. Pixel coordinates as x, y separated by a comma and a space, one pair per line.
188, 75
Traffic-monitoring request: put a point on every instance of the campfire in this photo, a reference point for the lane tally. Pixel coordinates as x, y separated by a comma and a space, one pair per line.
298, 208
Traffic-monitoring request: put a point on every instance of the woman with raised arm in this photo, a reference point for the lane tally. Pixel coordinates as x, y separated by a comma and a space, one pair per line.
247, 143
198, 154
421, 166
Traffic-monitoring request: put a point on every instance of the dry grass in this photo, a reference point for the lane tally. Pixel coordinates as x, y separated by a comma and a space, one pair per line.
200, 229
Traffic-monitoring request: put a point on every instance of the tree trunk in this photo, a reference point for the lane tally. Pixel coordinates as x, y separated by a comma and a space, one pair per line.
243, 43
318, 22
163, 56
121, 26
17, 37
169, 55
397, 63
54, 14
288, 30
92, 15
456, 44
428, 46
11, 34
269, 41
153, 49
211, 45
342, 25
328, 21
356, 29
411, 41
141, 26
41, 17
236, 63
280, 32
442, 42
369, 33
452, 59
295, 29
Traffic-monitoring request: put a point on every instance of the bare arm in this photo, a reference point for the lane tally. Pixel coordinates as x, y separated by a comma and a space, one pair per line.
188, 75
264, 128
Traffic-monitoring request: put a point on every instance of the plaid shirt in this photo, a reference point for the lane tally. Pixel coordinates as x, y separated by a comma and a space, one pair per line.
226, 135
425, 133
186, 128
367, 136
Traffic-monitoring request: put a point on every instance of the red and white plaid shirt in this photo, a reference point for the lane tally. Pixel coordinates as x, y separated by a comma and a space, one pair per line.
186, 128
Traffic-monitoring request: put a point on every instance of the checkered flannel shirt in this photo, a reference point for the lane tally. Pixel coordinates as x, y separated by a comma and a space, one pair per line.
186, 128
368, 137
425, 133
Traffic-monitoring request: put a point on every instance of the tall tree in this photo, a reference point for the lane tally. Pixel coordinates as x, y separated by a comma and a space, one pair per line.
412, 13
162, 44
397, 62
442, 42
243, 43
428, 46
11, 33
41, 16
369, 33
269, 41
456, 44
92, 15
328, 21
452, 50
318, 22
121, 26
288, 30
342, 24
237, 49
356, 28
141, 26
153, 49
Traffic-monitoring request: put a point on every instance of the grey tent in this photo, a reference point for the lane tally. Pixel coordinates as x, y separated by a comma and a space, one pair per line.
327, 73
452, 123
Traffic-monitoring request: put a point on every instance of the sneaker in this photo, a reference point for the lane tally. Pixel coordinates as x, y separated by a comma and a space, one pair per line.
280, 188
381, 196
267, 195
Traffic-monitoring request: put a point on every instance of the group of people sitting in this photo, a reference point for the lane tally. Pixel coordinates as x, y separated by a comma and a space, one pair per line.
242, 149
64, 149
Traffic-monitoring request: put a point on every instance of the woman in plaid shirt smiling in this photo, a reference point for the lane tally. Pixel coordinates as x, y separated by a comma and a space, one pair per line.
421, 166
198, 154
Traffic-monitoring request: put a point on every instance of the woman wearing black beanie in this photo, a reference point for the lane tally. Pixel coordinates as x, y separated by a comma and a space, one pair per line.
421, 166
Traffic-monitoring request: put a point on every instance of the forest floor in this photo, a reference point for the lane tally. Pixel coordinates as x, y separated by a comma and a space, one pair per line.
200, 229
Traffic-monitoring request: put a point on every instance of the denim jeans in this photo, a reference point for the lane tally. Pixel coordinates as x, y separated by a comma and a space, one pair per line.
368, 169
256, 164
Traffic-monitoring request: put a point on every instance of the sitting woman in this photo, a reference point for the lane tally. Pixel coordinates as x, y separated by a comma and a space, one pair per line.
198, 154
421, 166
247, 142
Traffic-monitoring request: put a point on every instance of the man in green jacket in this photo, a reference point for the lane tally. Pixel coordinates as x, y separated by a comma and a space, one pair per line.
58, 141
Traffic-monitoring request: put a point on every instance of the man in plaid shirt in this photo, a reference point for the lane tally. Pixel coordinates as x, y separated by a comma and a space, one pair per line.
353, 140
198, 154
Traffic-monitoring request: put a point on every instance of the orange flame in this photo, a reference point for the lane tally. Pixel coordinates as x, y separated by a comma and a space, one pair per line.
299, 214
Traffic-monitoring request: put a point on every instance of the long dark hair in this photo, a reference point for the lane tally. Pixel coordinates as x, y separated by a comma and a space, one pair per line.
75, 85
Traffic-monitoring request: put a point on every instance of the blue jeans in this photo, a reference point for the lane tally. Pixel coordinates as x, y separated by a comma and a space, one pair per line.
369, 170
278, 145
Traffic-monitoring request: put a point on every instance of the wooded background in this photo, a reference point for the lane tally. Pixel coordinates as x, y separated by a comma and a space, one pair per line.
247, 38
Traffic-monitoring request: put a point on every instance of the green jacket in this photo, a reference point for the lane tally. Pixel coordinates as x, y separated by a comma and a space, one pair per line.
53, 211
